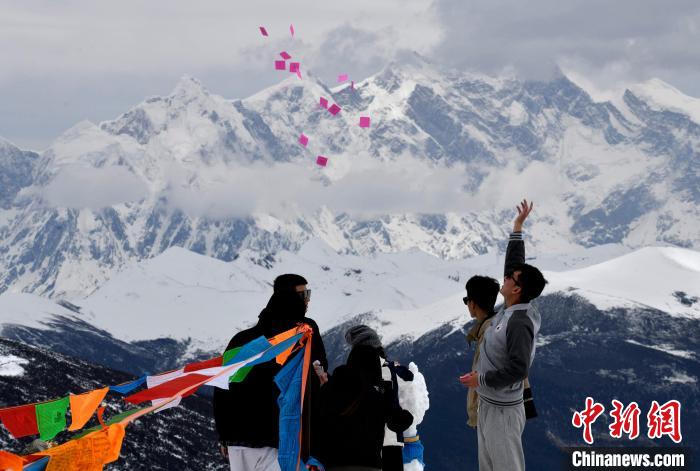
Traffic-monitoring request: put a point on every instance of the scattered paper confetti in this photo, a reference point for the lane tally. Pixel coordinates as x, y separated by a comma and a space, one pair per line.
280, 65
364, 121
334, 109
263, 31
322, 161
342, 78
294, 67
291, 29
303, 140
285, 55
324, 103
299, 74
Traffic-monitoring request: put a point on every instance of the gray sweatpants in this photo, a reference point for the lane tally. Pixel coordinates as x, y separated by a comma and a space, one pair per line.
243, 458
500, 432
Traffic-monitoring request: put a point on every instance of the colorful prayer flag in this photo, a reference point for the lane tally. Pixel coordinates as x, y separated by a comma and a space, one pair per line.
364, 121
322, 161
289, 380
334, 109
291, 29
263, 31
212, 363
323, 102
168, 389
82, 406
294, 67
285, 55
51, 417
10, 462
342, 78
20, 421
280, 65
126, 388
303, 140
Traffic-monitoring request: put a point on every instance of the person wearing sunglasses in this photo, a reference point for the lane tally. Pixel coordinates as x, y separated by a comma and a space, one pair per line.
482, 292
507, 352
247, 414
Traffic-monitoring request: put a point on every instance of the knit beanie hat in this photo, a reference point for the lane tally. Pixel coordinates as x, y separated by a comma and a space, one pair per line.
363, 335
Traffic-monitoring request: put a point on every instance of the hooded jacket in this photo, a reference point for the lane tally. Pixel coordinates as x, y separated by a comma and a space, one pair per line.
247, 413
355, 408
508, 348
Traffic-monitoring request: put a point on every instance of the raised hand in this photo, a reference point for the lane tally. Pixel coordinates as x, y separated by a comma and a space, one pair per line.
523, 212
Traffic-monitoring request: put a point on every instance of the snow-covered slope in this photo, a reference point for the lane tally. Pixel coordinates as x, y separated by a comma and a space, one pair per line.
446, 157
201, 301
663, 278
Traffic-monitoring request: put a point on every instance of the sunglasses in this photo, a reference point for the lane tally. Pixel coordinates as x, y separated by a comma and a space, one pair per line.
509, 276
305, 295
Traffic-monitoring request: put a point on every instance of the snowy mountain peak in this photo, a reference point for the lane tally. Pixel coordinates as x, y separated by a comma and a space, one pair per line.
189, 88
661, 95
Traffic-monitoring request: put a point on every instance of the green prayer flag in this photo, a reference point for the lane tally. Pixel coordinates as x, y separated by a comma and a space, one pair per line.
240, 375
51, 417
229, 354
112, 420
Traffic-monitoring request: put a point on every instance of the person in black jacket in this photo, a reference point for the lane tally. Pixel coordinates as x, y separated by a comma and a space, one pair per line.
355, 407
247, 414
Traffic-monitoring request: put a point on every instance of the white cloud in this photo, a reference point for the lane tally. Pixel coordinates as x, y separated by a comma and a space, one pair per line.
83, 187
407, 185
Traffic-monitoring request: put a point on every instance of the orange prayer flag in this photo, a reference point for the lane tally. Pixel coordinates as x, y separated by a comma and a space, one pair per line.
82, 406
89, 453
10, 462
115, 434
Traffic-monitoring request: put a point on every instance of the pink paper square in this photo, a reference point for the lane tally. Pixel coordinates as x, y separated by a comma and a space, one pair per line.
294, 67
364, 121
263, 31
322, 161
334, 109
291, 29
324, 103
285, 55
303, 140
342, 78
280, 65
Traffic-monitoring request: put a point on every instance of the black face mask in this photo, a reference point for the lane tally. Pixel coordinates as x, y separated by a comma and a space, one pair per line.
283, 311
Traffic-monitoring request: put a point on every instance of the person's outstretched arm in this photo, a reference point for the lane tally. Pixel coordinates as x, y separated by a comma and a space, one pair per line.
515, 253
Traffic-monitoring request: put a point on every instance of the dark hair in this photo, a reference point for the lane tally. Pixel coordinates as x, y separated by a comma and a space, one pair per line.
483, 290
288, 282
531, 282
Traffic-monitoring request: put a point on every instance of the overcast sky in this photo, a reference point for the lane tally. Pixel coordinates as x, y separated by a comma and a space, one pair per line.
62, 61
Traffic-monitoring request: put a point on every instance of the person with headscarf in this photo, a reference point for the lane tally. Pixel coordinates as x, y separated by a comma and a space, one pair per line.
356, 404
247, 414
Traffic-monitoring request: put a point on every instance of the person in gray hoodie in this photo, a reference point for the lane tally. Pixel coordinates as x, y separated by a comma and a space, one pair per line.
507, 353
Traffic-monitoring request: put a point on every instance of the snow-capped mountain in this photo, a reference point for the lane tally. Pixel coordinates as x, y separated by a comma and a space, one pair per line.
446, 158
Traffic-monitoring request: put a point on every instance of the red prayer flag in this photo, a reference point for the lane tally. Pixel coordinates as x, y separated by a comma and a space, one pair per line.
168, 389
20, 420
213, 363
